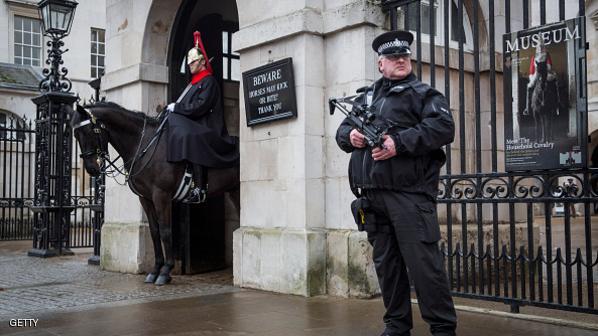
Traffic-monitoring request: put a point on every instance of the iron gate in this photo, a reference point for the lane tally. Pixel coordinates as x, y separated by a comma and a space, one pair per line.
518, 238
17, 159
17, 164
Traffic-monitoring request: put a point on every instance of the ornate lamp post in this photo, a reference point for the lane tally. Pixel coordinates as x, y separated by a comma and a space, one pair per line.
52, 201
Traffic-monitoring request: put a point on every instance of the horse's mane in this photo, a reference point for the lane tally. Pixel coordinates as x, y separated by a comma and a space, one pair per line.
134, 115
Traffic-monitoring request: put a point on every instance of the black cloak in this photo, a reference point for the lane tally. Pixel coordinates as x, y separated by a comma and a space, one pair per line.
197, 131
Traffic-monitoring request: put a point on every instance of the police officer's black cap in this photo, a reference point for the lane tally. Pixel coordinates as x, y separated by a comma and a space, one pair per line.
395, 42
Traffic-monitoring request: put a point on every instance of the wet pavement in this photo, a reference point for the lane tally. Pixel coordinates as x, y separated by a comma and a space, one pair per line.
32, 285
259, 313
65, 296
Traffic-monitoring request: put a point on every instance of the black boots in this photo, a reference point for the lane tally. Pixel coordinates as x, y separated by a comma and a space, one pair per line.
199, 191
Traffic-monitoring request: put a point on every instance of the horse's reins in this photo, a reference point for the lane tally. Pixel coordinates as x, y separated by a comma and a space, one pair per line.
99, 128
138, 156
155, 137
134, 159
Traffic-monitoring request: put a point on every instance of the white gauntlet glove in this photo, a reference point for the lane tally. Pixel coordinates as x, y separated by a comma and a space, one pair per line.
170, 107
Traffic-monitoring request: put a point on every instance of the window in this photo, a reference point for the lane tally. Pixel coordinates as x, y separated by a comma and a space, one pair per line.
455, 23
98, 52
231, 67
411, 12
407, 16
27, 41
3, 128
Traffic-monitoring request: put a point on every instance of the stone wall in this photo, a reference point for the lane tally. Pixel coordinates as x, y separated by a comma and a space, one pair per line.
289, 235
136, 85
89, 14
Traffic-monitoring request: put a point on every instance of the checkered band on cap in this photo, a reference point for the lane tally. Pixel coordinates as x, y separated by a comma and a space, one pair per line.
396, 43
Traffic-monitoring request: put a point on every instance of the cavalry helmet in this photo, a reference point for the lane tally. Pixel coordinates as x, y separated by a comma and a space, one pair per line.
197, 52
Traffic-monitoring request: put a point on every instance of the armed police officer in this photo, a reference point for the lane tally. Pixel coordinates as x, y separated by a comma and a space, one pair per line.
398, 184
197, 132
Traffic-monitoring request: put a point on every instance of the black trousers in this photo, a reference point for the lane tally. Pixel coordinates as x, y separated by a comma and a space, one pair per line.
406, 238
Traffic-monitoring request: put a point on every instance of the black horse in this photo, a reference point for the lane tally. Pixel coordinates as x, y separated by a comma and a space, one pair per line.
544, 102
150, 176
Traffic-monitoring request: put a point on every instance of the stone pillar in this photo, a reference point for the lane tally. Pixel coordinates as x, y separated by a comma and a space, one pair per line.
296, 234
350, 64
280, 245
136, 78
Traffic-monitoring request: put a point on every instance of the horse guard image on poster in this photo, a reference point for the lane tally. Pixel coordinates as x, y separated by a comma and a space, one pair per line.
544, 122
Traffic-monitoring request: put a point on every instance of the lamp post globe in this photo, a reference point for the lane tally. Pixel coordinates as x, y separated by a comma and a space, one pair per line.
57, 16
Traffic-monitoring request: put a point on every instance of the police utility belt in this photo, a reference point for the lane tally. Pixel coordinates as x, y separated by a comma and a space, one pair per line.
365, 218
363, 212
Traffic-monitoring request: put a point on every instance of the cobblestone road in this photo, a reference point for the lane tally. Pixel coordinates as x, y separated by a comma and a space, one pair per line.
32, 286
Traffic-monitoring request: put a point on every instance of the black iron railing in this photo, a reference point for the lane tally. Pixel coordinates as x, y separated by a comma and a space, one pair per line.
17, 177
17, 158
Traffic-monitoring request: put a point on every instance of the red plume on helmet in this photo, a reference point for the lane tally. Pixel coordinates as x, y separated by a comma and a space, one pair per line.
199, 44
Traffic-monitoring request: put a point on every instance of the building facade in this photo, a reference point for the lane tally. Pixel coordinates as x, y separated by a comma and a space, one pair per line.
23, 53
293, 232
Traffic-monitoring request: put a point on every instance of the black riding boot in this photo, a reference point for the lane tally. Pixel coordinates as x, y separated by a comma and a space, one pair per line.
528, 102
199, 192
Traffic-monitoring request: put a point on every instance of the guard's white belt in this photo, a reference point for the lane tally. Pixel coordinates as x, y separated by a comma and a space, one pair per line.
81, 124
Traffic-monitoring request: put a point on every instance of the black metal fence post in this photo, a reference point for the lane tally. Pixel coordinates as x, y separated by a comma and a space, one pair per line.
98, 197
98, 218
52, 200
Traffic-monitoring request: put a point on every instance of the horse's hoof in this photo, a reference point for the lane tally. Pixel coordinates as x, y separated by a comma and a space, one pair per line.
150, 278
163, 279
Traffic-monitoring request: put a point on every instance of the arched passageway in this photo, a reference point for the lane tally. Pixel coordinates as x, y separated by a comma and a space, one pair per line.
205, 231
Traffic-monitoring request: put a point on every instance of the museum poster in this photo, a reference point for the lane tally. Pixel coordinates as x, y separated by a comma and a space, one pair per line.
544, 70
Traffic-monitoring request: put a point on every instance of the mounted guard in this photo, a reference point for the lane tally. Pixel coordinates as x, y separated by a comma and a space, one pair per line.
543, 100
196, 130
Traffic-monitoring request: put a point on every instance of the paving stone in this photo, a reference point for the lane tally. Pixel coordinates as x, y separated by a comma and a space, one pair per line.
34, 285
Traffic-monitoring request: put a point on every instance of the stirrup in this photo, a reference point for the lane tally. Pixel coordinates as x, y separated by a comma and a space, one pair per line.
196, 196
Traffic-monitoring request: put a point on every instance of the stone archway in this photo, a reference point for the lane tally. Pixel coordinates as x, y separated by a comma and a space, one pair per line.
167, 36
211, 19
137, 77
212, 247
158, 27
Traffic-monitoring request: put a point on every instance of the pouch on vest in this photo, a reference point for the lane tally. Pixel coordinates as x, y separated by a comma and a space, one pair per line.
362, 213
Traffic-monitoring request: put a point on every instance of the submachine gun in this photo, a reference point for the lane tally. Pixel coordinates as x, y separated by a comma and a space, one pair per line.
362, 117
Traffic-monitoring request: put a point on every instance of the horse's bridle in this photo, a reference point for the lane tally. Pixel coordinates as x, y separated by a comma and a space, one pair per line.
99, 129
101, 150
